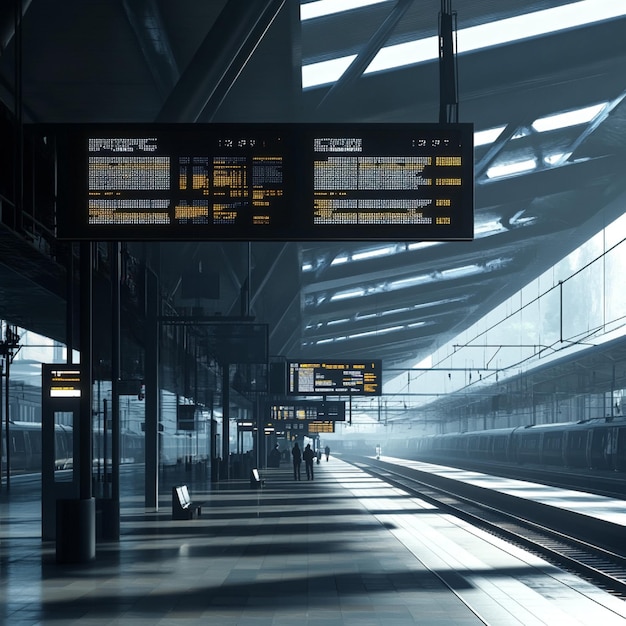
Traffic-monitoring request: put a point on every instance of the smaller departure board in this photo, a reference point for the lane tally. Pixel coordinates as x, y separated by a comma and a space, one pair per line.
307, 410
256, 182
363, 378
61, 381
317, 428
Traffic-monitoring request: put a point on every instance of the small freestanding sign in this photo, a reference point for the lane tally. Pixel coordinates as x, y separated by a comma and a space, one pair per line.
65, 518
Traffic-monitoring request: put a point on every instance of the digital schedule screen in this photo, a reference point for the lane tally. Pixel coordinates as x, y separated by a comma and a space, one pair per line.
362, 378
307, 410
264, 181
61, 380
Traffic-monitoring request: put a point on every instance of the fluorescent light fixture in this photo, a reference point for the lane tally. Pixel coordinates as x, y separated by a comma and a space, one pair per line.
420, 245
425, 305
321, 8
371, 254
509, 169
485, 137
307, 267
344, 295
535, 24
416, 324
458, 272
556, 159
378, 331
486, 229
340, 321
404, 309
321, 341
338, 260
402, 283
568, 118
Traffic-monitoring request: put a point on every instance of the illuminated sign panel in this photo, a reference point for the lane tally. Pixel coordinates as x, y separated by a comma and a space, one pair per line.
61, 381
264, 181
334, 378
308, 410
321, 427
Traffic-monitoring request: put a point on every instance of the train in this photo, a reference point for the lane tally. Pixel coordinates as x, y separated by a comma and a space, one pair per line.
25, 448
593, 444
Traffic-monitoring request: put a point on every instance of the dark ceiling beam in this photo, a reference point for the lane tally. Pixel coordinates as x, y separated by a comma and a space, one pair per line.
221, 57
269, 273
147, 23
8, 22
365, 56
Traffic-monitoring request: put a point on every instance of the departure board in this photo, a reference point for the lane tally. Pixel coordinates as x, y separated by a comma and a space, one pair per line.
307, 410
61, 381
334, 378
264, 181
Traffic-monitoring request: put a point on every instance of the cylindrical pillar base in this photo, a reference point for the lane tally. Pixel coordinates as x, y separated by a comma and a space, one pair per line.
76, 530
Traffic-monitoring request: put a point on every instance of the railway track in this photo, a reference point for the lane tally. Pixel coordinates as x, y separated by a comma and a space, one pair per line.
600, 565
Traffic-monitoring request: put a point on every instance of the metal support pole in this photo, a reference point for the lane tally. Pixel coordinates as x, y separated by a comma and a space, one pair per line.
85, 425
115, 371
6, 435
152, 393
225, 420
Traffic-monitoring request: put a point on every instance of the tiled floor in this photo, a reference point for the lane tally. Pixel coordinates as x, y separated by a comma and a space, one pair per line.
343, 549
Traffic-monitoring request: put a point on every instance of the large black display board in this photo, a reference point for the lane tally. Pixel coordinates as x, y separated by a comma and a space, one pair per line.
264, 181
362, 378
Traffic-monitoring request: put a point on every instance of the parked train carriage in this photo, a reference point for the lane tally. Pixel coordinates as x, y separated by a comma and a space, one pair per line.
592, 444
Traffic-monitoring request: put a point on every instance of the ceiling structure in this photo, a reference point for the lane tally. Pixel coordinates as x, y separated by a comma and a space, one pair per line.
230, 61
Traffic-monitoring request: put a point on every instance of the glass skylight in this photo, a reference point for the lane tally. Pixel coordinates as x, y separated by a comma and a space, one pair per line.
321, 8
485, 137
479, 37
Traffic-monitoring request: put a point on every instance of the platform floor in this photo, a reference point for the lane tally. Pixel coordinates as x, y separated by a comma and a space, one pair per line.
344, 549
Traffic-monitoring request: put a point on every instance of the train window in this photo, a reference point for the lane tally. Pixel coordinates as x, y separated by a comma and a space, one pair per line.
553, 441
18, 443
35, 442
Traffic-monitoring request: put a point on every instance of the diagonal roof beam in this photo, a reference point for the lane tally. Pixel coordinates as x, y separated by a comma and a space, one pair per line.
146, 21
225, 51
365, 56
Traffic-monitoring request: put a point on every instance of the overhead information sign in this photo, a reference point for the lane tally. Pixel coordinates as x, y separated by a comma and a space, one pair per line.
308, 410
334, 378
321, 427
61, 381
264, 181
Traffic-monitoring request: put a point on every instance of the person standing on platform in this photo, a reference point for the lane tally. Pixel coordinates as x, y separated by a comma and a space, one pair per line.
296, 455
327, 452
308, 456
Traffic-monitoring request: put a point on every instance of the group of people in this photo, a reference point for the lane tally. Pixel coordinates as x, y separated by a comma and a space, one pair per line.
308, 455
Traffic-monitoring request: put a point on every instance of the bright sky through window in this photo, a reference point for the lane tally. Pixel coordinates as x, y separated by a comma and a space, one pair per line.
474, 38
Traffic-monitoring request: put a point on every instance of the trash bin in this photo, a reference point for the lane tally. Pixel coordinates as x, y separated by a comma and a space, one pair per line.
76, 530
